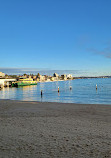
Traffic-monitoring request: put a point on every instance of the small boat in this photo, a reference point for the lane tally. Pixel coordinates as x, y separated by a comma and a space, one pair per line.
24, 82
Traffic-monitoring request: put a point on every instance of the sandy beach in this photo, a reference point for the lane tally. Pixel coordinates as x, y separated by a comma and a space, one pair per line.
54, 130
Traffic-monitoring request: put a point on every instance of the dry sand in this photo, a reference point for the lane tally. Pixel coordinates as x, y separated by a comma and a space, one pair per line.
54, 130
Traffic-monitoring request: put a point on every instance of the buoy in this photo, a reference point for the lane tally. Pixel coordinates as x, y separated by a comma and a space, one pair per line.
58, 89
96, 86
41, 93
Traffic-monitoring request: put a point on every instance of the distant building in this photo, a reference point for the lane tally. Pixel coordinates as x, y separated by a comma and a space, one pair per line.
41, 78
63, 77
2, 74
46, 77
69, 76
35, 77
54, 78
48, 80
30, 76
25, 76
37, 80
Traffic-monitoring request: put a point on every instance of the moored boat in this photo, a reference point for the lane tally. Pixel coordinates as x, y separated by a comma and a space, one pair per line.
25, 82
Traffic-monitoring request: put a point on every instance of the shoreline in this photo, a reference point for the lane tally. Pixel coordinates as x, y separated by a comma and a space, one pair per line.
27, 101
50, 129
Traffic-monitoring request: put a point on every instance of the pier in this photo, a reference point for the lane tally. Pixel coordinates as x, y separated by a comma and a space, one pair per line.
6, 82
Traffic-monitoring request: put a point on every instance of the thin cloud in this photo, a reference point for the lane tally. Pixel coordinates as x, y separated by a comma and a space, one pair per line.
41, 71
106, 52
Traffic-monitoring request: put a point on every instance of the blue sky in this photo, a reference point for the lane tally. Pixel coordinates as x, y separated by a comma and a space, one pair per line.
56, 35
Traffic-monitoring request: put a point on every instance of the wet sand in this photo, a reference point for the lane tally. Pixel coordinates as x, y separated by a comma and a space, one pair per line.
54, 130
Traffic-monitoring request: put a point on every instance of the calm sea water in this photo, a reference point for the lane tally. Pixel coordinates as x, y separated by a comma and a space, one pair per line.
83, 91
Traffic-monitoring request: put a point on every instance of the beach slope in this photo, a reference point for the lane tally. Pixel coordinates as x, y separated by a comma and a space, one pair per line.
54, 130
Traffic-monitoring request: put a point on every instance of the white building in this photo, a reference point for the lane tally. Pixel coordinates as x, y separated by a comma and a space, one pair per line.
2, 74
64, 77
69, 76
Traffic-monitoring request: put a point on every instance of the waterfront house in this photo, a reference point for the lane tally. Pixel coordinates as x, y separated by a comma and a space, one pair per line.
41, 78
63, 77
69, 76
2, 74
